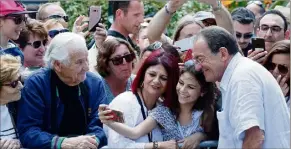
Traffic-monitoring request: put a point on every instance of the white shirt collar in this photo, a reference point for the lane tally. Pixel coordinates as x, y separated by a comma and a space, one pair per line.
229, 71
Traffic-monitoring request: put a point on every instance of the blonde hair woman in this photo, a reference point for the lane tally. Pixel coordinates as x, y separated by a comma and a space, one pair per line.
10, 90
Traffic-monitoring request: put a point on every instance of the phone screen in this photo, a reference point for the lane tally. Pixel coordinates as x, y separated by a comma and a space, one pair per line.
117, 116
185, 44
258, 44
94, 17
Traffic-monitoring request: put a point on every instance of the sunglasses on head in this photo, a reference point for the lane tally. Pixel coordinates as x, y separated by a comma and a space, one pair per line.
209, 22
53, 33
66, 18
245, 36
119, 60
282, 69
18, 19
37, 44
13, 84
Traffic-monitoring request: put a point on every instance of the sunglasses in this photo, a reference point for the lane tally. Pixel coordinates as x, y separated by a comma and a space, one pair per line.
209, 22
18, 19
13, 84
66, 18
53, 33
282, 69
119, 60
245, 36
37, 44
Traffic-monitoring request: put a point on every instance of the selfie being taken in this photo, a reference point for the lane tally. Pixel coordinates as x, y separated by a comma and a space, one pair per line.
148, 74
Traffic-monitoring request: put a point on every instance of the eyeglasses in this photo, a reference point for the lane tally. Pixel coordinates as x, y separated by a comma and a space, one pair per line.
119, 60
274, 29
66, 18
282, 69
53, 33
13, 84
18, 19
245, 36
259, 3
37, 44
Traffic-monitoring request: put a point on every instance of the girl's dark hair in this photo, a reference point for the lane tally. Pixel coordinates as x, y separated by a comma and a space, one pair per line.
205, 103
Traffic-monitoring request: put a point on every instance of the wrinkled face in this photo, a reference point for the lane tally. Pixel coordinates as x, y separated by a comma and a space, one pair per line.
188, 89
244, 33
143, 40
189, 31
133, 18
75, 71
280, 65
123, 70
9, 27
9, 93
34, 51
271, 29
155, 80
212, 65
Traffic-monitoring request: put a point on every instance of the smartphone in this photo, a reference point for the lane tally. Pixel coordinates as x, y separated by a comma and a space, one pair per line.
117, 116
185, 44
187, 55
94, 17
258, 44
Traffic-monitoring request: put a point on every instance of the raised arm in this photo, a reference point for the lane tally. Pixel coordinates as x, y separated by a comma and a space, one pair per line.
160, 21
222, 16
134, 132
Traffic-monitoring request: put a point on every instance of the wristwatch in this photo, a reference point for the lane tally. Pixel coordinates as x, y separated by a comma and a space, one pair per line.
168, 11
218, 6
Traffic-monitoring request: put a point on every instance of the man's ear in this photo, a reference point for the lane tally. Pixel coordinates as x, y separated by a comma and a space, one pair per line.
224, 54
57, 66
119, 13
287, 34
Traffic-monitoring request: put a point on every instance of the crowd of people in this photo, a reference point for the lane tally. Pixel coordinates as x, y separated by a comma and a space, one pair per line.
135, 87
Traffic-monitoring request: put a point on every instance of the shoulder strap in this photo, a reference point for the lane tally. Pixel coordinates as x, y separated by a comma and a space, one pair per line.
143, 113
116, 34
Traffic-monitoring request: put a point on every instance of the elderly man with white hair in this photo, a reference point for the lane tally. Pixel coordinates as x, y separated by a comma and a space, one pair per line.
59, 105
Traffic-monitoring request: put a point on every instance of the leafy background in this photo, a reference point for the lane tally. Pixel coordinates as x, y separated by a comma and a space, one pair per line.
74, 8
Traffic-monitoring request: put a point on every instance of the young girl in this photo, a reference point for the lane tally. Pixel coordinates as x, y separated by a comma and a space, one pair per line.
192, 113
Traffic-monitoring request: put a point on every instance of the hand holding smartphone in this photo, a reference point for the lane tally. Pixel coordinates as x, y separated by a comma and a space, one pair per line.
117, 116
258, 44
94, 17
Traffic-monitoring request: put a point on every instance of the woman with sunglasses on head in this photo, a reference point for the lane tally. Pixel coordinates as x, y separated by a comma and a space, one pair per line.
155, 81
12, 21
278, 63
10, 90
114, 64
54, 27
188, 118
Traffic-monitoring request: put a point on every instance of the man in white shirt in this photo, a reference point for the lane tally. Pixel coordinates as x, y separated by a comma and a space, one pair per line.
254, 112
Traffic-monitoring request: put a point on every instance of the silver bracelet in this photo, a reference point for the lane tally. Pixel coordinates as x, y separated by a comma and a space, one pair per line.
167, 10
218, 6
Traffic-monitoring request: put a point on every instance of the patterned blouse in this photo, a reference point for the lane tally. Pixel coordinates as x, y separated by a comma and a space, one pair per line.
170, 127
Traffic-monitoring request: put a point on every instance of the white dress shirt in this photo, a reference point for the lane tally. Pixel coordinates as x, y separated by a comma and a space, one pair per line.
127, 103
252, 97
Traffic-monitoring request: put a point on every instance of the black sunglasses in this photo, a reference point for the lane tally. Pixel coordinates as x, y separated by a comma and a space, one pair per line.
38, 43
119, 60
18, 19
282, 69
13, 84
245, 36
53, 33
66, 18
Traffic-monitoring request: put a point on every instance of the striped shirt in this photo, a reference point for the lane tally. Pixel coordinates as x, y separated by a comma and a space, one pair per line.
6, 127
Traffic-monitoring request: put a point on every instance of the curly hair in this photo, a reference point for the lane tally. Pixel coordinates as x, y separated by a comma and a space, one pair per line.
108, 48
10, 67
34, 28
